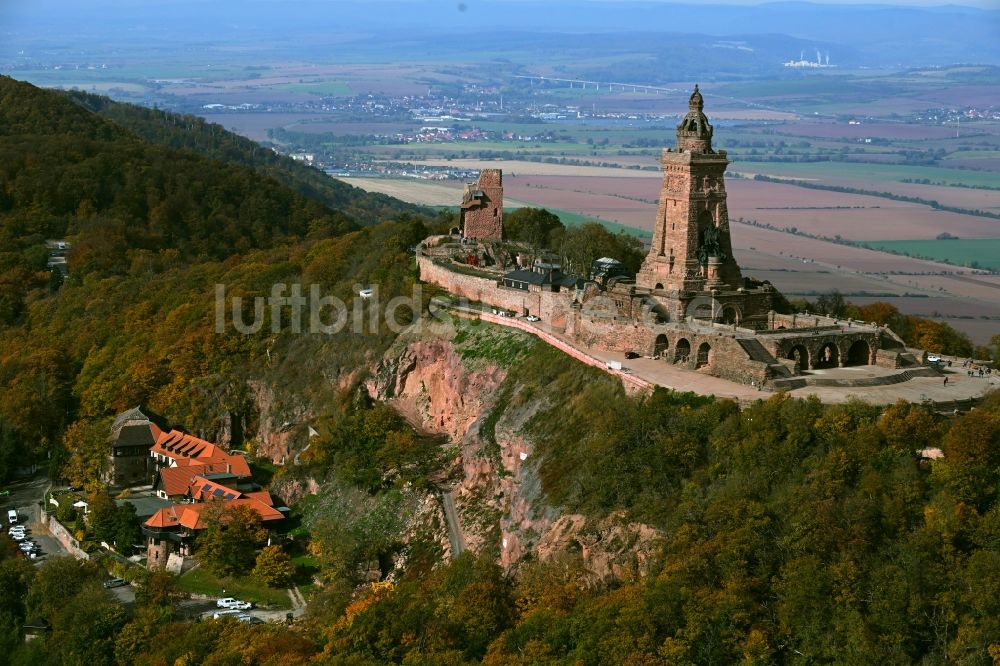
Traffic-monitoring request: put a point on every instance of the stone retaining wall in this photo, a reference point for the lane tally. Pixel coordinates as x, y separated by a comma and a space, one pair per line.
63, 536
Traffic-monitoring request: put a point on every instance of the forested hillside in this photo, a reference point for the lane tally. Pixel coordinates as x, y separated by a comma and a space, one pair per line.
152, 229
213, 141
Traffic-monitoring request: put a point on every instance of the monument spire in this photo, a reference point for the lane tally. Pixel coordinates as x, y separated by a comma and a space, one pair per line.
694, 133
691, 251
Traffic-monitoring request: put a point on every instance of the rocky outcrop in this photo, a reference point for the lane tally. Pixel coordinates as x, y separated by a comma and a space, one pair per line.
440, 388
428, 382
273, 431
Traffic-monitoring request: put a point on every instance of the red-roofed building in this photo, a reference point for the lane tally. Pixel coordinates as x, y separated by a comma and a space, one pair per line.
173, 529
187, 470
177, 448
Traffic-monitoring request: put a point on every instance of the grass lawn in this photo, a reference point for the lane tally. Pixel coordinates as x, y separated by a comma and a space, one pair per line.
202, 581
961, 252
305, 569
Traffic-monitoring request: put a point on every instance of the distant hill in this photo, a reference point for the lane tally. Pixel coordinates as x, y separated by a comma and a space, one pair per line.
119, 178
184, 132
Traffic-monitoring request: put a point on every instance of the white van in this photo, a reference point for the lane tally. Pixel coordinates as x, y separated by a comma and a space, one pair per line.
12, 517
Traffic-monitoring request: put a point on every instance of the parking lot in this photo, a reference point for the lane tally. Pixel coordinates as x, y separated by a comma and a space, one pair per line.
25, 496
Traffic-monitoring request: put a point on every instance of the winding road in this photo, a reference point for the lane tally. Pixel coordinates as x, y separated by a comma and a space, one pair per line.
454, 527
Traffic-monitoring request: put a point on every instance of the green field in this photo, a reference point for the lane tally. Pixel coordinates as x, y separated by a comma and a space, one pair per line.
828, 171
201, 581
571, 219
984, 252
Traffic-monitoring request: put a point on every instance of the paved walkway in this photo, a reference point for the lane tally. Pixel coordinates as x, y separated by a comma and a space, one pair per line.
643, 373
960, 387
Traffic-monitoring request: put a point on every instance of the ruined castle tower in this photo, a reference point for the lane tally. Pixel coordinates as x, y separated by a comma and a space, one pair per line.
482, 207
691, 251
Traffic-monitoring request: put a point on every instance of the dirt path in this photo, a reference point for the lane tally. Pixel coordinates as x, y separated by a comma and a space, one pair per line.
298, 601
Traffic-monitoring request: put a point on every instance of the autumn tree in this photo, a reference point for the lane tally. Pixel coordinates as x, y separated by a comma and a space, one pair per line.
274, 567
229, 542
86, 442
57, 580
85, 627
534, 226
580, 245
16, 576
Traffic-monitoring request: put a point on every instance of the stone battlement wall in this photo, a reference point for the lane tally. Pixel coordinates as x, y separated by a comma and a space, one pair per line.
552, 307
728, 359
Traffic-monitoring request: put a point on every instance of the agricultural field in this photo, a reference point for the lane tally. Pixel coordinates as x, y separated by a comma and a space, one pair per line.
422, 192
980, 253
832, 173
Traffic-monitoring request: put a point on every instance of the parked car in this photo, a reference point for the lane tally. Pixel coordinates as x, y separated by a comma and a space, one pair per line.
230, 602
18, 536
228, 612
532, 318
115, 582
12, 516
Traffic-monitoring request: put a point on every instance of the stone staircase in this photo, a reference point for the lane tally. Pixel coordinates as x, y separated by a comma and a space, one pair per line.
756, 351
787, 384
759, 353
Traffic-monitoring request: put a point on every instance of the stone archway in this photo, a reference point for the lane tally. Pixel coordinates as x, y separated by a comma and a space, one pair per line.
703, 311
859, 353
704, 355
828, 357
658, 287
730, 315
682, 351
661, 346
800, 355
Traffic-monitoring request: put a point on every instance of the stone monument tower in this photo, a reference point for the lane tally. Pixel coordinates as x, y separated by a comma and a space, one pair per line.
691, 250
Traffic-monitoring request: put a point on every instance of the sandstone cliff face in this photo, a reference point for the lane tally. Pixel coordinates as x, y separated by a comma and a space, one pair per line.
496, 489
428, 383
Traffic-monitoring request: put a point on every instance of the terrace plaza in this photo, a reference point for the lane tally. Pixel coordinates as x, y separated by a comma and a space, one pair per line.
689, 319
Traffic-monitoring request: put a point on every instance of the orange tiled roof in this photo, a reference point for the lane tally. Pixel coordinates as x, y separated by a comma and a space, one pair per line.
177, 480
166, 517
203, 489
185, 450
266, 512
260, 496
189, 515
